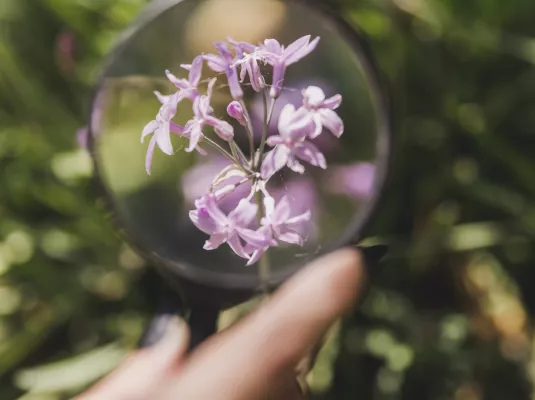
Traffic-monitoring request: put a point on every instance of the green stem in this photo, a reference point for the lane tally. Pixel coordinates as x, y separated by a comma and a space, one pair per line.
219, 148
268, 114
248, 128
264, 270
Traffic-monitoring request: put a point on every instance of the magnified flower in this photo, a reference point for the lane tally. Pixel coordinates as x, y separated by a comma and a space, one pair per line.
224, 62
231, 228
278, 226
321, 111
290, 145
281, 57
202, 116
187, 87
161, 127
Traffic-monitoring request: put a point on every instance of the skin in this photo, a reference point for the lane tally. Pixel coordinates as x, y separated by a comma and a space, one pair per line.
254, 359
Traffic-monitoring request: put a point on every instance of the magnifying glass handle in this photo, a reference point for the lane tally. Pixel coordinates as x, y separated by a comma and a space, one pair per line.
202, 321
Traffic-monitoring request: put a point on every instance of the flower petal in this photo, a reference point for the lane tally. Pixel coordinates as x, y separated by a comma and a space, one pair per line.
294, 54
306, 151
295, 165
236, 246
313, 97
162, 98
216, 240
274, 140
223, 129
234, 84
333, 102
224, 50
202, 220
256, 256
150, 154
148, 129
256, 239
279, 71
282, 210
163, 139
195, 71
243, 214
273, 45
194, 137
274, 161
179, 83
209, 203
332, 121
215, 62
291, 237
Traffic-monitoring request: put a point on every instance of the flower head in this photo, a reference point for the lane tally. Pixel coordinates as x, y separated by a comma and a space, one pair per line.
231, 228
203, 116
278, 226
281, 57
321, 110
161, 127
225, 62
188, 87
290, 145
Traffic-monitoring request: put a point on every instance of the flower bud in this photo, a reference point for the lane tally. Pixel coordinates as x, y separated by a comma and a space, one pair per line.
235, 110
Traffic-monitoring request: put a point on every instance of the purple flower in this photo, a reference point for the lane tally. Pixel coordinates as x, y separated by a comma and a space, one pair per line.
249, 65
224, 62
355, 180
280, 58
321, 111
82, 137
231, 228
202, 116
161, 128
278, 226
187, 87
235, 110
290, 145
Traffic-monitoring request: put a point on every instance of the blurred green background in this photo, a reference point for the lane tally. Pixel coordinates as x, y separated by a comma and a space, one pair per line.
448, 315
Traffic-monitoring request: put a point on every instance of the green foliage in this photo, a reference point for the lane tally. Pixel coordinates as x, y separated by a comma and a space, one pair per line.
448, 315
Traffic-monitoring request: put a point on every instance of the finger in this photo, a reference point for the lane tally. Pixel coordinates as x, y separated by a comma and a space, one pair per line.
245, 361
139, 375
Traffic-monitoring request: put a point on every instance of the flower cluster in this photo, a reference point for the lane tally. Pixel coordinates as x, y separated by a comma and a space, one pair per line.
258, 222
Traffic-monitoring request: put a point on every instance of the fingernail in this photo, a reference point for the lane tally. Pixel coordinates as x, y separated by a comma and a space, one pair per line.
163, 330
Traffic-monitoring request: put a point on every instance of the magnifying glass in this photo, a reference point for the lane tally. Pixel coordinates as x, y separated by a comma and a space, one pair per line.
266, 144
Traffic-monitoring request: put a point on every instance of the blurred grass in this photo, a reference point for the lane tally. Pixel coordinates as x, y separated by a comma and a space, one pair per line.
450, 313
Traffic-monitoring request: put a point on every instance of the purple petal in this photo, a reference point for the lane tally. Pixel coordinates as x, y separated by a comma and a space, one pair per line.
150, 153
243, 214
223, 129
273, 45
274, 161
162, 98
236, 246
274, 141
209, 202
216, 240
290, 237
306, 151
195, 71
179, 83
295, 165
175, 128
215, 63
234, 84
296, 45
285, 117
203, 221
224, 50
194, 137
333, 102
148, 129
299, 219
279, 70
318, 126
242, 46
282, 210
313, 97
332, 121
298, 53
163, 139
257, 255
255, 239
257, 80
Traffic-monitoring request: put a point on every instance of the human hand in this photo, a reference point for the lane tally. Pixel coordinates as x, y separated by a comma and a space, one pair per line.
254, 359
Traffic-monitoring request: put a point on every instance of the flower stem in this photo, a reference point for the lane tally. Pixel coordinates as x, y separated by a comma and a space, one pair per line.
264, 270
219, 148
248, 128
268, 114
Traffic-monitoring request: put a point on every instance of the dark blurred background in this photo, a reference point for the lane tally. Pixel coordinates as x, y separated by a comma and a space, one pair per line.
448, 315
